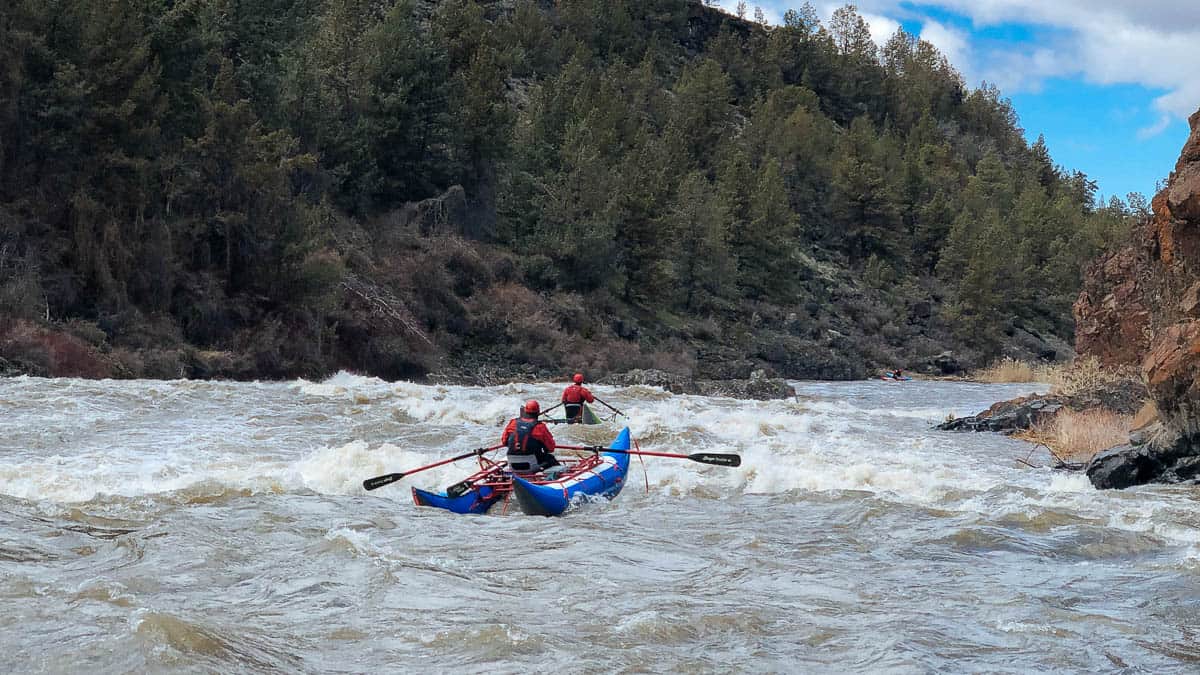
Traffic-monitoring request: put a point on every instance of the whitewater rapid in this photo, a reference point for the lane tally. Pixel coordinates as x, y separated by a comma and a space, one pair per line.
216, 526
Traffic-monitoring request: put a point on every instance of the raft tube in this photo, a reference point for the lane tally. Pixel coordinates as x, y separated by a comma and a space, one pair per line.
552, 498
474, 501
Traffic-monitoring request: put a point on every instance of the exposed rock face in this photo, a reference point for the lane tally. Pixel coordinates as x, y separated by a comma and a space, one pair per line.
1141, 306
1170, 371
1131, 295
1112, 315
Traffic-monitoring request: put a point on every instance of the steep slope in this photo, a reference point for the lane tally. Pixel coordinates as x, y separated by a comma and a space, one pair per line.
502, 189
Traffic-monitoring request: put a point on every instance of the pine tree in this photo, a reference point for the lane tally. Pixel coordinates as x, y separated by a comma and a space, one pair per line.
766, 245
864, 199
704, 263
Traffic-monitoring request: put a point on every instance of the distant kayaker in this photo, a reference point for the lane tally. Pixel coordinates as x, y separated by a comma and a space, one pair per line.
530, 443
898, 374
573, 397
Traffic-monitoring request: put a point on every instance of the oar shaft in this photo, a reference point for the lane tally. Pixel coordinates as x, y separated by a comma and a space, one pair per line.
380, 481
714, 458
594, 448
606, 405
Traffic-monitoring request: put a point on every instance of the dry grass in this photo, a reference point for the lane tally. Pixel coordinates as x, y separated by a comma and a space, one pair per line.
1084, 375
1011, 370
1077, 436
1145, 417
1080, 375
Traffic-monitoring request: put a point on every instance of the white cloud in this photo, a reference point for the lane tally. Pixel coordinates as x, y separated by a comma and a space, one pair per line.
1153, 43
773, 15
1155, 129
950, 42
882, 28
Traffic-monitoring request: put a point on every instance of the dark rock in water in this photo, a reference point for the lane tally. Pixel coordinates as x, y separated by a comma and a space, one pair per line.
1124, 398
1129, 465
758, 386
649, 377
1008, 416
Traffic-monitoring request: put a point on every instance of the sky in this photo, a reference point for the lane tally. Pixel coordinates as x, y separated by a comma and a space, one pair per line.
1109, 83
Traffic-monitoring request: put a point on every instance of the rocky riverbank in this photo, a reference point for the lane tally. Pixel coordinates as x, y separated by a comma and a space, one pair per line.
1140, 309
1124, 397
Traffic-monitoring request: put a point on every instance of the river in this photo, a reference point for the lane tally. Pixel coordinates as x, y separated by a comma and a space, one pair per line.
154, 526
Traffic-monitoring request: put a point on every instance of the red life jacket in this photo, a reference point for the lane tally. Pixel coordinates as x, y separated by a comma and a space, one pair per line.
522, 441
573, 394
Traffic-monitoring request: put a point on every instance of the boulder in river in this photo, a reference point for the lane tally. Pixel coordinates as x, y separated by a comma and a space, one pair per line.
1008, 416
1129, 465
759, 386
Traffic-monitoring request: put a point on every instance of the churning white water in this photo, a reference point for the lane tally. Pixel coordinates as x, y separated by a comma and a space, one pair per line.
222, 527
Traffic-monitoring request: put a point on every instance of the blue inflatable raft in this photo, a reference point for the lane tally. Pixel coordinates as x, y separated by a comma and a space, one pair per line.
602, 475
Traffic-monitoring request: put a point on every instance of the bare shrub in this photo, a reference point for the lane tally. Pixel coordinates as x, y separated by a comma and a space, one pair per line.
1083, 375
55, 353
1078, 436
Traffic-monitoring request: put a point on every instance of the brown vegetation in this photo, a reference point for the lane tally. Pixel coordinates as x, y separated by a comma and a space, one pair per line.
51, 353
1009, 370
1073, 436
1068, 379
1088, 374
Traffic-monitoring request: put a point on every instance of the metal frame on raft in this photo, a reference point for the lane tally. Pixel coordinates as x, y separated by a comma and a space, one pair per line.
495, 475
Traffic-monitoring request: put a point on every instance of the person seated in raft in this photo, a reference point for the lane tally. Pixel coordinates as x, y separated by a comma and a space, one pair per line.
898, 374
529, 441
573, 397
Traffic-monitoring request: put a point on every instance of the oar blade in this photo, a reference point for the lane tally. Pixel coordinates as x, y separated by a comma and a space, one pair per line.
716, 459
380, 481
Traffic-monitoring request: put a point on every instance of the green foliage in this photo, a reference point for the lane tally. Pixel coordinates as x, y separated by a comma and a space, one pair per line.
233, 164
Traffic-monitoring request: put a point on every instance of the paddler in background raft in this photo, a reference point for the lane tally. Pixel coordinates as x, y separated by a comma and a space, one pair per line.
529, 441
573, 397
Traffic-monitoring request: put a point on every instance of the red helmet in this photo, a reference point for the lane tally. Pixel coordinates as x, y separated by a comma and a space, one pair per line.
532, 407
578, 378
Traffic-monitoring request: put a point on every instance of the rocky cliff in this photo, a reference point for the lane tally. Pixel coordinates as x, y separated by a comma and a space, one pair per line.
1140, 306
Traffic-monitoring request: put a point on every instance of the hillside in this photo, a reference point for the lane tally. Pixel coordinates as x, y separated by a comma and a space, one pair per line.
480, 190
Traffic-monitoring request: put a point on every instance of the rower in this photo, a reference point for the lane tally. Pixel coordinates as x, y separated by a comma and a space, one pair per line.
573, 397
530, 443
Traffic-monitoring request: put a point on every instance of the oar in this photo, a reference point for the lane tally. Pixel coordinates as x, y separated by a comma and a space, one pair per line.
389, 478
714, 458
549, 409
598, 400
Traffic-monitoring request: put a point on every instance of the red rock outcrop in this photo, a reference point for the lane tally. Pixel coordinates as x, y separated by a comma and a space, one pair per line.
1112, 313
1140, 305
